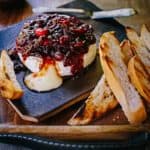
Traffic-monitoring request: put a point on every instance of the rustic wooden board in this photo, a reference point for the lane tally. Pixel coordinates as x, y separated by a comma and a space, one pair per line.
113, 126
103, 132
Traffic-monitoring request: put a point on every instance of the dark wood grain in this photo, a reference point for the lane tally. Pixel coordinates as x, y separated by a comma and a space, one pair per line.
13, 11
142, 7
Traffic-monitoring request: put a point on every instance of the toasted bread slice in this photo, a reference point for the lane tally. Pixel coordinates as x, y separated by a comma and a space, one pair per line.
139, 77
6, 87
115, 72
145, 36
142, 51
10, 75
126, 51
100, 101
2, 73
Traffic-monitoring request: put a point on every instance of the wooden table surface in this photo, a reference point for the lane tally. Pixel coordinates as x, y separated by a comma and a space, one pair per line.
10, 15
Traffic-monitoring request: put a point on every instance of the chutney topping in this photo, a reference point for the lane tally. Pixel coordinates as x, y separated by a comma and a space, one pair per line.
59, 37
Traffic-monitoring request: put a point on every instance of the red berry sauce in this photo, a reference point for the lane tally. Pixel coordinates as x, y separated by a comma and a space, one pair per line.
59, 37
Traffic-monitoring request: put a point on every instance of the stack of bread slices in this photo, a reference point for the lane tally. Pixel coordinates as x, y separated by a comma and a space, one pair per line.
126, 79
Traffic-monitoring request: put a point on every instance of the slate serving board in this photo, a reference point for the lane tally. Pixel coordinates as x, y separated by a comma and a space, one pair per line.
35, 106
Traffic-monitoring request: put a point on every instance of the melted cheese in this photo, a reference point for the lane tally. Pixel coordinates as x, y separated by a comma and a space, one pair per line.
46, 79
51, 78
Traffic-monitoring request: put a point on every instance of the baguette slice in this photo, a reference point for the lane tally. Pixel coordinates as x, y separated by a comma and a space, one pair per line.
145, 36
142, 51
139, 77
127, 51
10, 74
115, 72
6, 86
100, 101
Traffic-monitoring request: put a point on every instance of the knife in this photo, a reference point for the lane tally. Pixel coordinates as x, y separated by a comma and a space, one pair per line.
123, 12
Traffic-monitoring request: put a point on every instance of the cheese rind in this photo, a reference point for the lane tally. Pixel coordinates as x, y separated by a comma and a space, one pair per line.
33, 63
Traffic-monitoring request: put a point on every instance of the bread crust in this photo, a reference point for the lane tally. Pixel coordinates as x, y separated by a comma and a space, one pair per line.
145, 36
127, 51
139, 77
6, 88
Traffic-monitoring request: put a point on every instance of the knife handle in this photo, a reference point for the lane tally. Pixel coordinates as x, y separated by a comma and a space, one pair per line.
113, 13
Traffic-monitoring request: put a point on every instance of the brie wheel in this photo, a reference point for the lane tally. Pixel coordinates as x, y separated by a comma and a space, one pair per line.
50, 76
88, 58
33, 63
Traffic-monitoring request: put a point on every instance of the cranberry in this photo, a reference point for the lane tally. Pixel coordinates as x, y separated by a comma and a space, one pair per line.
47, 60
41, 32
63, 39
58, 56
75, 69
78, 44
41, 23
74, 20
64, 21
77, 64
79, 31
67, 61
47, 42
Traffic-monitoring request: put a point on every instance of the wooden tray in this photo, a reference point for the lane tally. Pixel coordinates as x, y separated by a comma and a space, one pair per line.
112, 126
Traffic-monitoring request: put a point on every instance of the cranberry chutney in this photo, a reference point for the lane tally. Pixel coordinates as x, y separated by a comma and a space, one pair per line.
56, 37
